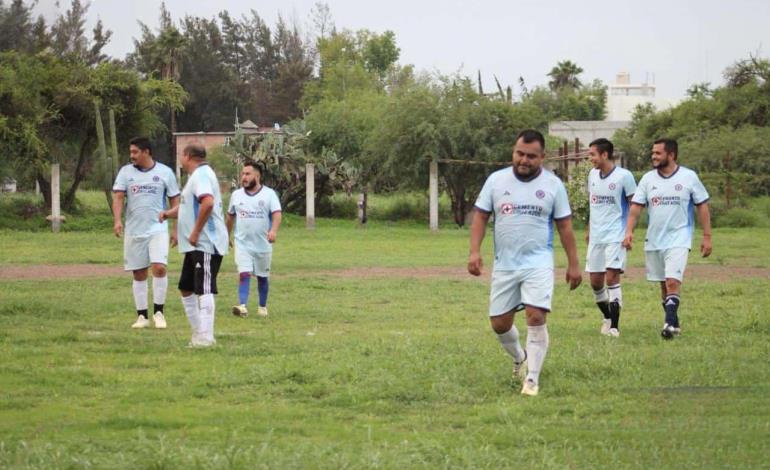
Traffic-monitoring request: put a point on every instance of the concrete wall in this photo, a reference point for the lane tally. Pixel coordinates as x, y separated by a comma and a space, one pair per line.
208, 140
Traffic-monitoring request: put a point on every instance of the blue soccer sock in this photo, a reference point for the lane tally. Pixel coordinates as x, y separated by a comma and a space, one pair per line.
244, 285
671, 307
262, 287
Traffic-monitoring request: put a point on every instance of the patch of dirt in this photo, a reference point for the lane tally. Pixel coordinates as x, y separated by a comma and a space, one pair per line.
70, 271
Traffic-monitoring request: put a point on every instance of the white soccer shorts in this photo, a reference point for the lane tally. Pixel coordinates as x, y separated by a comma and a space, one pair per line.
512, 290
252, 262
665, 264
140, 252
603, 256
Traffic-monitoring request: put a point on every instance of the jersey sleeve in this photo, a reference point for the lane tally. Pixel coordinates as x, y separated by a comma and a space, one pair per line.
629, 185
231, 204
172, 188
640, 195
699, 193
484, 202
275, 203
561, 209
202, 186
121, 182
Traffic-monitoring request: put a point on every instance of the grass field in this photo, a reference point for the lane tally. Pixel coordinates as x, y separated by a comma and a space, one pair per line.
364, 364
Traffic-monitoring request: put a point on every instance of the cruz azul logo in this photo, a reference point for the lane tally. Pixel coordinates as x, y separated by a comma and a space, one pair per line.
678, 187
612, 186
156, 178
540, 194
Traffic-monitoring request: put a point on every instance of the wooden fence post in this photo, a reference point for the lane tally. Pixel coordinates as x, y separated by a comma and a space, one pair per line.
363, 199
433, 195
310, 196
55, 198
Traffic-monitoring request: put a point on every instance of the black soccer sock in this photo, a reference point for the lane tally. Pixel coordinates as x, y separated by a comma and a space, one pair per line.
158, 308
605, 308
614, 314
142, 313
671, 306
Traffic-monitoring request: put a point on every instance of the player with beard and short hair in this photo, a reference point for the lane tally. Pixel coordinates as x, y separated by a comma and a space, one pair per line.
255, 211
526, 201
672, 195
610, 189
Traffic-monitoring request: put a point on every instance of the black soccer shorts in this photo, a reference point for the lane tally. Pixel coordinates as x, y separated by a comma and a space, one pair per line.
199, 272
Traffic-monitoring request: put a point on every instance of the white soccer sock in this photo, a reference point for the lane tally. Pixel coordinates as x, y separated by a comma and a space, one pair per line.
159, 287
537, 347
207, 309
615, 294
601, 295
190, 304
140, 294
510, 342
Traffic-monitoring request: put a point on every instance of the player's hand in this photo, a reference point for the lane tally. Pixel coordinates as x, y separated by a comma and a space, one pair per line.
174, 239
474, 264
574, 277
705, 246
162, 216
271, 236
230, 242
628, 241
193, 238
117, 229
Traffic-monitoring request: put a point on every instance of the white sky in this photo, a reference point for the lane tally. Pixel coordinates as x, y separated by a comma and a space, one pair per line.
678, 42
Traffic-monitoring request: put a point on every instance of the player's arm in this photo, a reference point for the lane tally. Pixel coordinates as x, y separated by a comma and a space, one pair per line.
119, 197
206, 202
633, 216
567, 237
588, 228
277, 217
230, 223
174, 203
705, 221
478, 230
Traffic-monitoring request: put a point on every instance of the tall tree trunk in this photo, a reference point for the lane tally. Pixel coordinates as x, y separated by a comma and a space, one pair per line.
45, 188
80, 173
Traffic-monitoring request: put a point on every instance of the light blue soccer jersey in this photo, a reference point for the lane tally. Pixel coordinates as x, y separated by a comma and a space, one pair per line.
608, 198
147, 192
213, 237
670, 205
253, 218
524, 214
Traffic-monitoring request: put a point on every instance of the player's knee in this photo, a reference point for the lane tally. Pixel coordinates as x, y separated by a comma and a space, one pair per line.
158, 270
501, 323
535, 317
613, 276
672, 286
140, 275
244, 276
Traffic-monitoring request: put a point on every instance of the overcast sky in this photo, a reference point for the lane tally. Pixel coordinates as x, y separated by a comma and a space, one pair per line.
678, 42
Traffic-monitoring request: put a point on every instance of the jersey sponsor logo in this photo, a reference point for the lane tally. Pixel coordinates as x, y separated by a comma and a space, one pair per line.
604, 200
250, 214
540, 194
612, 186
678, 187
666, 201
144, 189
521, 209
506, 209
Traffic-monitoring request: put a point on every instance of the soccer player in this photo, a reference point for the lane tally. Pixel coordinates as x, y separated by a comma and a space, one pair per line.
202, 240
672, 193
526, 200
145, 185
256, 213
610, 189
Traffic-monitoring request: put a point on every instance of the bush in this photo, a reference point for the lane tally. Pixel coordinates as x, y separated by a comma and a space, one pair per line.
738, 217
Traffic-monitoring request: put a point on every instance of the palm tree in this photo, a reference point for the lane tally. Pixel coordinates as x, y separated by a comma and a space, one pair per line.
565, 75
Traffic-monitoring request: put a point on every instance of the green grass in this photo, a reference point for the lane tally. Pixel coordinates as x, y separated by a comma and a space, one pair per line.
366, 372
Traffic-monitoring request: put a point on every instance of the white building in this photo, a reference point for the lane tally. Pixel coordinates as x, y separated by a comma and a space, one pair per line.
623, 97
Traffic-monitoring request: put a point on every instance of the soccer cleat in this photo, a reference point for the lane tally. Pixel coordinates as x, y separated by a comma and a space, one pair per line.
520, 368
613, 332
606, 326
160, 320
198, 341
668, 331
240, 311
141, 322
530, 388
262, 311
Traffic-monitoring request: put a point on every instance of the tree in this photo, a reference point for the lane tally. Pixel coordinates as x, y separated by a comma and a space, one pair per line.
68, 38
565, 75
